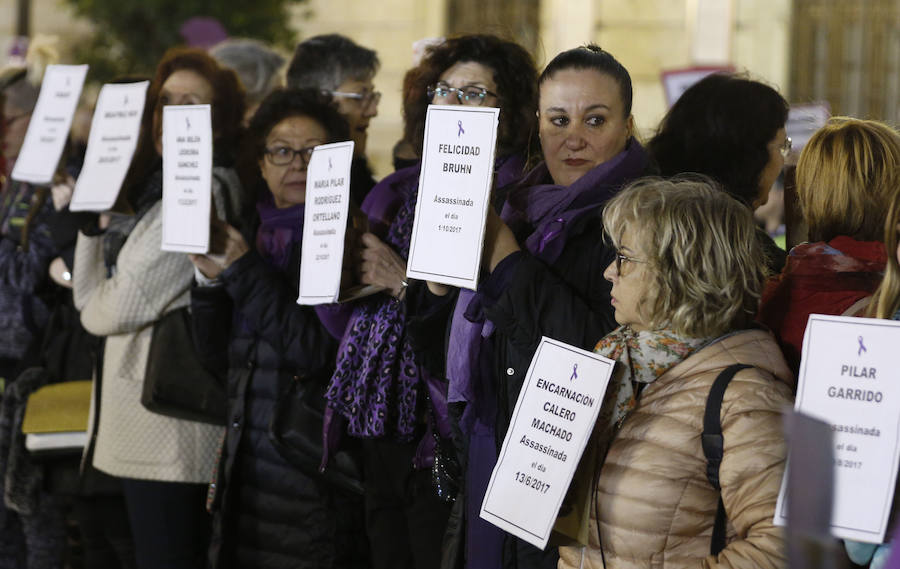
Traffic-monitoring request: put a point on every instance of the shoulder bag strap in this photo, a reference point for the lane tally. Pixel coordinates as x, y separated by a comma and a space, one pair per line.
713, 447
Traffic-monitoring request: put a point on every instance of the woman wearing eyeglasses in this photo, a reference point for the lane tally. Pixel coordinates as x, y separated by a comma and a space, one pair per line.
685, 285
847, 175
730, 128
544, 258
379, 388
267, 513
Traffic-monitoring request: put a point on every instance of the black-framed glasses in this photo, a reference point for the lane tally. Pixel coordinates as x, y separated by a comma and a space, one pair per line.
365, 99
469, 95
620, 257
284, 155
785, 147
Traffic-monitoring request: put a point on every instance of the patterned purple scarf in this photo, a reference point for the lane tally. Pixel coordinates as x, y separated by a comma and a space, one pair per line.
375, 385
279, 231
549, 209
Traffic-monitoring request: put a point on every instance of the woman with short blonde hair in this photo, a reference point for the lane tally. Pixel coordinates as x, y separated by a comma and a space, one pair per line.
706, 282
847, 175
685, 280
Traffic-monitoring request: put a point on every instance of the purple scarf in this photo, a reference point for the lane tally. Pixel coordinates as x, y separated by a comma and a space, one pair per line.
279, 231
549, 209
375, 385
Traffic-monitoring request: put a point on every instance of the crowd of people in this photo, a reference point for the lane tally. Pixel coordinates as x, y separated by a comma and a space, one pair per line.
646, 252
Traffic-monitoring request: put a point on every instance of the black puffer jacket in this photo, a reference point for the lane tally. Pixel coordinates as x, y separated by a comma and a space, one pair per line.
267, 513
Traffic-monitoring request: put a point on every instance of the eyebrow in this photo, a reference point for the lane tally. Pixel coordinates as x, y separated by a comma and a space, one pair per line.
591, 108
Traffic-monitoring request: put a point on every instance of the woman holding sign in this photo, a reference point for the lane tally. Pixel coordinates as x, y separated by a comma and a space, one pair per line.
267, 512
550, 285
123, 284
686, 281
390, 402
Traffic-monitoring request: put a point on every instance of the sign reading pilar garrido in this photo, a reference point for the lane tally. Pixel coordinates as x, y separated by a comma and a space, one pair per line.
454, 194
551, 424
850, 378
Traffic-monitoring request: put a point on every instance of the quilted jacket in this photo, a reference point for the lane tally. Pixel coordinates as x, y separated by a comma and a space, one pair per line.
131, 441
654, 504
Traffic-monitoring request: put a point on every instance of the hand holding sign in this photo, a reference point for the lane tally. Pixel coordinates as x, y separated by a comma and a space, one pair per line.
381, 265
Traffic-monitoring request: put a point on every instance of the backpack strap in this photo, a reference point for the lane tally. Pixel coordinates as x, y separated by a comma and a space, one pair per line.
713, 447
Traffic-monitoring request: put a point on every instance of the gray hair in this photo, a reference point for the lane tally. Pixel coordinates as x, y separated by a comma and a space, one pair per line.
255, 64
324, 62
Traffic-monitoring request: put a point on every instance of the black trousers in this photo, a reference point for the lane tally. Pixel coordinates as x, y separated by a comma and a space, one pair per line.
404, 517
169, 523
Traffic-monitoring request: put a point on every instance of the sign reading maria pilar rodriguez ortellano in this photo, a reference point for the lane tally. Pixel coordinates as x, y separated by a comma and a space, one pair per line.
850, 378
454, 194
325, 222
550, 427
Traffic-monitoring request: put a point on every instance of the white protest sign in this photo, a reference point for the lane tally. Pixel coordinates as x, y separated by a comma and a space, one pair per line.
803, 121
550, 427
325, 222
850, 378
187, 178
50, 123
454, 194
111, 144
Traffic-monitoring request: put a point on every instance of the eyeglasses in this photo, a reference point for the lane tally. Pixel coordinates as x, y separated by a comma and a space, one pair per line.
785, 148
284, 155
621, 257
365, 99
470, 95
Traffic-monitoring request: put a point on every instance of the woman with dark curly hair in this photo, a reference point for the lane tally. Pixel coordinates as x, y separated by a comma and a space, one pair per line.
730, 128
378, 386
123, 284
267, 512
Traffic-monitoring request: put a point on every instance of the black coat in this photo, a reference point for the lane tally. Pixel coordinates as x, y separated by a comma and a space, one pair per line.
267, 513
567, 300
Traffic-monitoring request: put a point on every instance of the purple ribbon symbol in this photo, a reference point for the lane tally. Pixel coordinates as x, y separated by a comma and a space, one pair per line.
862, 347
188, 121
574, 372
461, 131
329, 163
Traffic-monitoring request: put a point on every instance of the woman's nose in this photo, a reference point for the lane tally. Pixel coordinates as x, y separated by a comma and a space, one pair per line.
574, 140
610, 272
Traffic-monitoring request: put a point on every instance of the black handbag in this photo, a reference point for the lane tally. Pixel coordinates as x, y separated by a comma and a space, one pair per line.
176, 383
296, 432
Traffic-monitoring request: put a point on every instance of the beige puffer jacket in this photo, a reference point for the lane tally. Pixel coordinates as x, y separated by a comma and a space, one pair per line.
655, 504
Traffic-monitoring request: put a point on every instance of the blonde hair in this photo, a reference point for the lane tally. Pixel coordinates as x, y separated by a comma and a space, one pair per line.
886, 299
847, 175
702, 248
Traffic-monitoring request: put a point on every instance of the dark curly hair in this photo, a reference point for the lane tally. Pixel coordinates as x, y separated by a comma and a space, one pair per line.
514, 73
594, 57
721, 127
227, 112
279, 105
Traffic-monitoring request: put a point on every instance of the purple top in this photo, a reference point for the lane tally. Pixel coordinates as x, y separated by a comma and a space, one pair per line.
376, 385
549, 210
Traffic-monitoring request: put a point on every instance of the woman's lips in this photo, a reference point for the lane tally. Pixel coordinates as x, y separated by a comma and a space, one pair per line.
575, 162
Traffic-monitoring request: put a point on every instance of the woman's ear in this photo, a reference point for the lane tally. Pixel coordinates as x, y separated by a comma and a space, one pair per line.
630, 126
